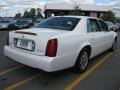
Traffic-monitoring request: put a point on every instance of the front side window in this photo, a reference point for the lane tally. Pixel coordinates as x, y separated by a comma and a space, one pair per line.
60, 23
103, 26
92, 25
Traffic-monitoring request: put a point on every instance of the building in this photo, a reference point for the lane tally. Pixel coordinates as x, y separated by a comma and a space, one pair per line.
86, 10
66, 9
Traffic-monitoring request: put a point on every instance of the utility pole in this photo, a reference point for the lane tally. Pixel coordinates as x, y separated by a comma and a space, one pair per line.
0, 11
6, 12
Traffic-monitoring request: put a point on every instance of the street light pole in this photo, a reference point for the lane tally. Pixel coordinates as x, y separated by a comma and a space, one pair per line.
0, 11
6, 11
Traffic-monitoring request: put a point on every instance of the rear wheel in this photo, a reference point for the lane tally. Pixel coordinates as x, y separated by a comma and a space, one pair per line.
82, 61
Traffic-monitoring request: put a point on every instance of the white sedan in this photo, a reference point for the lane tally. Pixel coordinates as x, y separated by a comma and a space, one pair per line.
60, 42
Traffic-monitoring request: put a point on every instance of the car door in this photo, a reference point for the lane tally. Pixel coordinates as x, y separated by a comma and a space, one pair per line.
107, 34
95, 36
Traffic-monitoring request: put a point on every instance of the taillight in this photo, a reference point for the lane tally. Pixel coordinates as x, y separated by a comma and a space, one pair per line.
7, 42
51, 48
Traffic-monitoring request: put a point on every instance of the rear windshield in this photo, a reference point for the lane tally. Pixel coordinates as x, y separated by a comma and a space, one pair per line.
61, 23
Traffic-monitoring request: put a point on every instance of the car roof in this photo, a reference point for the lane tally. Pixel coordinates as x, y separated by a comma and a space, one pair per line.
87, 17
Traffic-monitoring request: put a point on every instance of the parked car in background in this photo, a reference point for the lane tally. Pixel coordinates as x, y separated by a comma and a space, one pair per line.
61, 42
118, 24
28, 19
111, 26
5, 24
38, 21
23, 24
116, 27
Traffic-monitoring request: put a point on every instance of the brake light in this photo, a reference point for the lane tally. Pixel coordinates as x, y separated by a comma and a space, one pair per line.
7, 41
51, 48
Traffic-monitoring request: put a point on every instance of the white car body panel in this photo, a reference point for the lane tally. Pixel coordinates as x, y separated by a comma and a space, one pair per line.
43, 35
70, 43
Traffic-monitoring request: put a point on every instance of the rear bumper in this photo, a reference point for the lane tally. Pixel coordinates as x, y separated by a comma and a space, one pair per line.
40, 62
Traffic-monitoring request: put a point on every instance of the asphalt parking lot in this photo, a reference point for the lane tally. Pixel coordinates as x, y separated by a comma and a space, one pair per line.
103, 73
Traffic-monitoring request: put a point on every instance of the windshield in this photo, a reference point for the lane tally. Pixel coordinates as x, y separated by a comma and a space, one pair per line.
21, 22
109, 23
62, 23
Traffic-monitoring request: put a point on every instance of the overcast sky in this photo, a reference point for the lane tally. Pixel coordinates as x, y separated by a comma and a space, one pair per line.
14, 6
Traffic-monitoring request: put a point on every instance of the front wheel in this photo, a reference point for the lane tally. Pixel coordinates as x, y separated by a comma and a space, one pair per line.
82, 61
113, 48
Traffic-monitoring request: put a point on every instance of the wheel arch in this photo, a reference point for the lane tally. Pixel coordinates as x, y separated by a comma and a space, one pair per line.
86, 46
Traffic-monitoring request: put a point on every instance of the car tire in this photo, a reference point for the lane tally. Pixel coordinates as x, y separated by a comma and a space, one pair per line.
82, 62
113, 48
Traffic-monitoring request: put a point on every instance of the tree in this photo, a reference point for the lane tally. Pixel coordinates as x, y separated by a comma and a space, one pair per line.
18, 15
77, 10
109, 16
26, 14
32, 13
39, 15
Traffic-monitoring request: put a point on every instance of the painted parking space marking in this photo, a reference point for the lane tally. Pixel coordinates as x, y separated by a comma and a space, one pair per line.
22, 82
10, 70
72, 85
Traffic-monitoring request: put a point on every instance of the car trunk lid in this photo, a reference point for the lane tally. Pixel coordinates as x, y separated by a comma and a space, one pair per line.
38, 36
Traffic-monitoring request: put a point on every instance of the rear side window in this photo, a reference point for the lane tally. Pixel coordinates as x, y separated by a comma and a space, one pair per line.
103, 26
92, 25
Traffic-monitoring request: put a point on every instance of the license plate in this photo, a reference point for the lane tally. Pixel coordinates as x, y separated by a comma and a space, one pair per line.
25, 44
